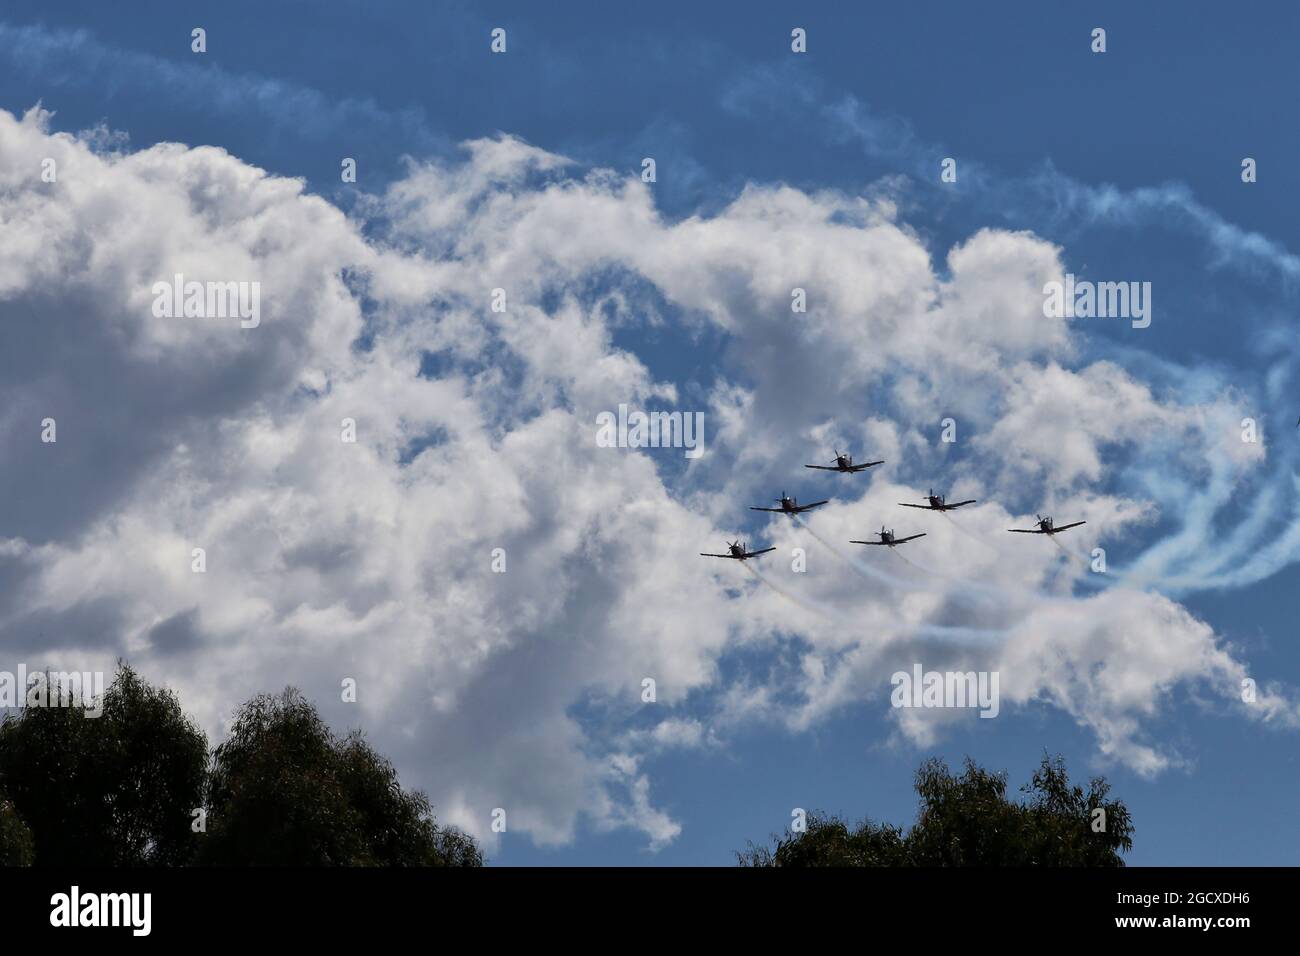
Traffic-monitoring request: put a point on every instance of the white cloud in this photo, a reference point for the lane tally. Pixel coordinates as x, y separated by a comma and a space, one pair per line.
373, 560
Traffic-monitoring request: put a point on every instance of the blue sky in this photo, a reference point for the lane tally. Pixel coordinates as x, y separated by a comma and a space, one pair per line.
1128, 161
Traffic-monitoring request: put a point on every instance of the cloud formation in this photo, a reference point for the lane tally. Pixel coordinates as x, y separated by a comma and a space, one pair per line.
475, 430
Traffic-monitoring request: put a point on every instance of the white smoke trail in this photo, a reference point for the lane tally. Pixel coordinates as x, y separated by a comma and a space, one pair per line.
929, 630
982, 589
967, 588
960, 530
789, 596
1226, 538
1069, 552
954, 632
1254, 549
902, 557
942, 631
989, 592
864, 570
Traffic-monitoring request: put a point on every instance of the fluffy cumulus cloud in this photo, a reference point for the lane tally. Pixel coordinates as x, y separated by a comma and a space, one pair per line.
475, 430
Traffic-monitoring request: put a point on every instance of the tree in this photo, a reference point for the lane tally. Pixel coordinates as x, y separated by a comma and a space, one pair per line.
285, 791
830, 841
1065, 823
15, 839
968, 820
965, 820
114, 790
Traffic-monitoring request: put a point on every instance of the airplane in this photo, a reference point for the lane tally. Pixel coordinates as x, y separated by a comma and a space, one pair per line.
936, 503
887, 538
789, 506
845, 464
1045, 526
737, 551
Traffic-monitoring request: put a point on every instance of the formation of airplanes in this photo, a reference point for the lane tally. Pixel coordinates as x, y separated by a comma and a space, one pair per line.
843, 463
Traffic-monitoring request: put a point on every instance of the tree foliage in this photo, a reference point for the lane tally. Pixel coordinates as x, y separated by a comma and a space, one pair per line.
114, 790
285, 790
968, 820
16, 847
124, 788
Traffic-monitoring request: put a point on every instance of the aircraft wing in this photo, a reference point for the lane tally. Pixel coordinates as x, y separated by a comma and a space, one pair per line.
704, 555
958, 504
912, 538
778, 510
1064, 526
815, 504
823, 467
904, 504
1027, 531
754, 554
866, 464
868, 542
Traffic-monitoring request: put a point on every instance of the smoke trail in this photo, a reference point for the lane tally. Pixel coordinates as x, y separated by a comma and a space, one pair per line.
991, 592
1068, 552
954, 632
807, 606
1200, 556
1253, 550
970, 588
898, 554
981, 589
864, 570
941, 631
960, 530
